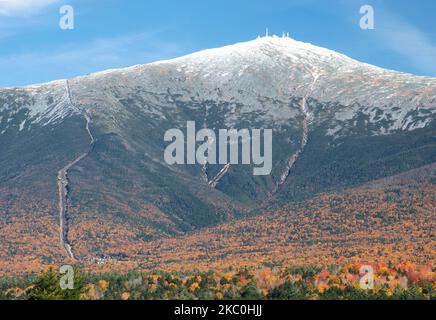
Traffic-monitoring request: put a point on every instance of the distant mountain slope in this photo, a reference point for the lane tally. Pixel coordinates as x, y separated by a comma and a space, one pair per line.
337, 123
389, 220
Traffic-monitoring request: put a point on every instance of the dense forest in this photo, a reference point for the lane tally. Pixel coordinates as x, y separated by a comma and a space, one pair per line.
401, 281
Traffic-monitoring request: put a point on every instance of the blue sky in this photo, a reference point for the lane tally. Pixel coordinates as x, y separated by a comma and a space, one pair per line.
120, 33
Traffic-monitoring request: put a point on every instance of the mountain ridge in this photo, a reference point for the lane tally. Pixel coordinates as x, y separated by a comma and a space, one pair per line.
291, 54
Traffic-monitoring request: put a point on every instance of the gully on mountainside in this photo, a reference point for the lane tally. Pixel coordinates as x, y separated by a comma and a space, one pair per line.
306, 121
62, 181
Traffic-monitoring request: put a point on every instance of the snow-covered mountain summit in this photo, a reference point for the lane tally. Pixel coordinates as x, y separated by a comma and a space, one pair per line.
248, 74
289, 65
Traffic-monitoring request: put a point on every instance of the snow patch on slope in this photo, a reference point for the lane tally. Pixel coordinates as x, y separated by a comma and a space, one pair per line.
43, 104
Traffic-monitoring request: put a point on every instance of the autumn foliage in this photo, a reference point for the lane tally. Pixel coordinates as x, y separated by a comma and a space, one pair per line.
402, 281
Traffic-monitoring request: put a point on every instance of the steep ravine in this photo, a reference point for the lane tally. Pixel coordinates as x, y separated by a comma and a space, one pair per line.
62, 181
307, 118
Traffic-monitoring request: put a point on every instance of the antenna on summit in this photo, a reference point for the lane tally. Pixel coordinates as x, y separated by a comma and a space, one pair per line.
267, 33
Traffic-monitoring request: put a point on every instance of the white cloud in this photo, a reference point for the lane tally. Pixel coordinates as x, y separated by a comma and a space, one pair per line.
23, 7
408, 41
396, 33
82, 58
